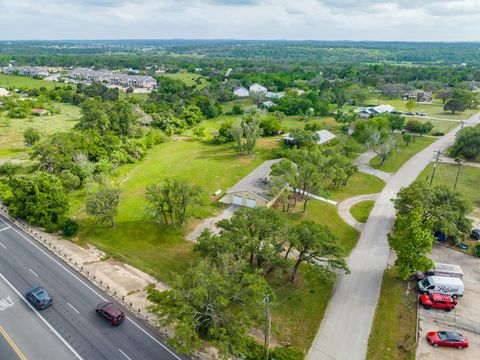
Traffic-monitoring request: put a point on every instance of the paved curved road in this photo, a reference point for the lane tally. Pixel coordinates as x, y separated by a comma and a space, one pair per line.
346, 326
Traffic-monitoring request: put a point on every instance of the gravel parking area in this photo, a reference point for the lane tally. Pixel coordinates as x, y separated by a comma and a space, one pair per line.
464, 319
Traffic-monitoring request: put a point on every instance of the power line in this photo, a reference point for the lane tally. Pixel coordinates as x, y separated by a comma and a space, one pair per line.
437, 157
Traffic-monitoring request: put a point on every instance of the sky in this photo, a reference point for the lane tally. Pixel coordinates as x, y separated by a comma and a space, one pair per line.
390, 20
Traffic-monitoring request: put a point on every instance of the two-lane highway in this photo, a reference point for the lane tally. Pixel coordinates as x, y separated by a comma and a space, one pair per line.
25, 263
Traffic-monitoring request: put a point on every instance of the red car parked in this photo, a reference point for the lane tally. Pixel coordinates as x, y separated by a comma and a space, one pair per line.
447, 339
110, 312
438, 301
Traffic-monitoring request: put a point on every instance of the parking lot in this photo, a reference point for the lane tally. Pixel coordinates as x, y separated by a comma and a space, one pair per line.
464, 319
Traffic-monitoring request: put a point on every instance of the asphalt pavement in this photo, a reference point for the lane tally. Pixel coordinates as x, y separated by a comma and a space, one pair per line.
72, 320
24, 335
346, 326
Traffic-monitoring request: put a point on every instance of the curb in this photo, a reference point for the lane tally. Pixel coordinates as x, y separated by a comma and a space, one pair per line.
37, 236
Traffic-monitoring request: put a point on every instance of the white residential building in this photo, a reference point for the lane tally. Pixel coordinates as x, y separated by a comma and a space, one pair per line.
241, 92
113, 78
374, 110
257, 88
26, 71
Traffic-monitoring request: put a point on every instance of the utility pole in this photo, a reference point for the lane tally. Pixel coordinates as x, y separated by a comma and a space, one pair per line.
268, 323
459, 162
437, 156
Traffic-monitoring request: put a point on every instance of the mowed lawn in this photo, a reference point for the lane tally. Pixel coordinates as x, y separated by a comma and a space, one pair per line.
159, 249
468, 180
443, 126
434, 109
189, 79
404, 153
11, 136
393, 329
358, 184
360, 211
9, 81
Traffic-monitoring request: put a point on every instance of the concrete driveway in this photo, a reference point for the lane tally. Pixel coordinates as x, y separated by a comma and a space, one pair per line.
464, 319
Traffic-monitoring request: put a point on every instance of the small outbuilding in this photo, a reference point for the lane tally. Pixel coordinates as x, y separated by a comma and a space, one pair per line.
241, 92
39, 112
254, 189
267, 105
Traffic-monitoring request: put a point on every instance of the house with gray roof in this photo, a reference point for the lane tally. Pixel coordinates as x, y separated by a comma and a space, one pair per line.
32, 71
105, 76
241, 92
254, 189
418, 95
274, 95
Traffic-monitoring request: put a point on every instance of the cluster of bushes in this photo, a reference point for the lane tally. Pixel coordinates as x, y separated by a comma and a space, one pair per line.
21, 108
107, 136
467, 143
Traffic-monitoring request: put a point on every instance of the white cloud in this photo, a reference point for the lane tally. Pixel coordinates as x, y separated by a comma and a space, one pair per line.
242, 19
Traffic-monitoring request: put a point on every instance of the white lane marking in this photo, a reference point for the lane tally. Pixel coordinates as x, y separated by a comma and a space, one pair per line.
92, 290
78, 312
151, 337
56, 262
33, 272
5, 303
41, 318
121, 352
8, 227
3, 246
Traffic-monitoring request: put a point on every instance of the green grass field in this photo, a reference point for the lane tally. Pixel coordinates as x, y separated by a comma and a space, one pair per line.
360, 211
160, 249
326, 214
468, 181
393, 329
403, 154
299, 309
443, 126
434, 109
188, 78
9, 81
11, 137
358, 184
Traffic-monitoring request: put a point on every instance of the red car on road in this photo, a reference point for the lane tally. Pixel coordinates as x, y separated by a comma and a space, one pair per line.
447, 339
110, 312
438, 301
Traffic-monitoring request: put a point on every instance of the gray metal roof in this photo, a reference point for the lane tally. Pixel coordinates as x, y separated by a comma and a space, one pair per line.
257, 182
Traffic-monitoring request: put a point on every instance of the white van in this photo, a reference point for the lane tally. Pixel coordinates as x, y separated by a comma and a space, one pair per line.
452, 286
446, 270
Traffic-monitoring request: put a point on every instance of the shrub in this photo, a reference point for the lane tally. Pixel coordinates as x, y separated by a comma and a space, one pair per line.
287, 353
70, 228
477, 250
